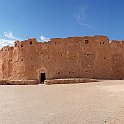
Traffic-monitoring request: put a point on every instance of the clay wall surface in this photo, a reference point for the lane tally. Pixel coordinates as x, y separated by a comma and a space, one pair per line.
72, 57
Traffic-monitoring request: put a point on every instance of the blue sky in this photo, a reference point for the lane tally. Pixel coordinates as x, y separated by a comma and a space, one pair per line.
22, 19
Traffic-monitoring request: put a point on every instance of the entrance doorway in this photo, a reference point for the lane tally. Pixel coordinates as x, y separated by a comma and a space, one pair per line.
42, 78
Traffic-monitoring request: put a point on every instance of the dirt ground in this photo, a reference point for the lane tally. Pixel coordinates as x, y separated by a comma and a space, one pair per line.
89, 103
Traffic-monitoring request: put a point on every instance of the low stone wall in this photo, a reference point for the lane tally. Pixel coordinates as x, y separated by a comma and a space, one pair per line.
69, 81
47, 82
18, 82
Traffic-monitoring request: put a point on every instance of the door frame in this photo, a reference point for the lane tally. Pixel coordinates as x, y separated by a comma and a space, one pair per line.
42, 70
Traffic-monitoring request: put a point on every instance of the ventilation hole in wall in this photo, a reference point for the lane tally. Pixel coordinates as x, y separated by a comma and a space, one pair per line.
55, 43
73, 72
103, 43
69, 72
21, 59
30, 43
48, 57
88, 54
74, 56
61, 55
41, 53
21, 45
58, 72
86, 41
100, 42
104, 58
77, 42
86, 71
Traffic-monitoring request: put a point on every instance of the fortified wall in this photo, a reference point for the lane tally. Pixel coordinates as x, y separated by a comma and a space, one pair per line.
72, 57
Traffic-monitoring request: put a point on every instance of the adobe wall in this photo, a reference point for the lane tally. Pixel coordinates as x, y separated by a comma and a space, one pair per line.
72, 57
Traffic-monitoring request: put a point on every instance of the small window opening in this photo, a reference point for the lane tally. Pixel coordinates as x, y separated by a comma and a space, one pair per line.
86, 41
21, 45
74, 56
100, 42
21, 59
86, 71
15, 45
77, 42
104, 58
103, 43
42, 78
88, 54
41, 53
73, 72
58, 72
69, 72
61, 55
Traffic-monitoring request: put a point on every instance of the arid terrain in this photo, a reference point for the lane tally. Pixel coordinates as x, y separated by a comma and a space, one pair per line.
87, 103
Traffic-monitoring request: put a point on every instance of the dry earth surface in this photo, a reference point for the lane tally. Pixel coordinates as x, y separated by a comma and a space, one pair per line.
89, 103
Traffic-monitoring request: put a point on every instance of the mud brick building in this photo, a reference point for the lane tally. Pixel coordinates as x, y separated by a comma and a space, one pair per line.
72, 57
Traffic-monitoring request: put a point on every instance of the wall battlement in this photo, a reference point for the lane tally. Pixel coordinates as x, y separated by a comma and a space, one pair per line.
72, 57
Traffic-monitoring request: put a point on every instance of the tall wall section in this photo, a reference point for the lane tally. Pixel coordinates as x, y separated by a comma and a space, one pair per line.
72, 57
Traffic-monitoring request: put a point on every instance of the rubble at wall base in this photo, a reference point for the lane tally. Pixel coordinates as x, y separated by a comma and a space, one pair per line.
18, 82
69, 81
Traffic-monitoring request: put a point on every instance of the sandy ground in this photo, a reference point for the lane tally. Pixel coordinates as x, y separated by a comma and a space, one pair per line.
89, 103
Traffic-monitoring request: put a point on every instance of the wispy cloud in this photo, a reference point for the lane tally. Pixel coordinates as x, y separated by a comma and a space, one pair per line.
82, 18
10, 36
43, 38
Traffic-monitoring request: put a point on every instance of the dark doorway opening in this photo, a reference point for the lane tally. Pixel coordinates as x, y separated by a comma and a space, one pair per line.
42, 78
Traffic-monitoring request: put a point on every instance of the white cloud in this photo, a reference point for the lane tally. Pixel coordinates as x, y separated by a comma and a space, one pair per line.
9, 41
4, 42
43, 38
10, 36
82, 18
